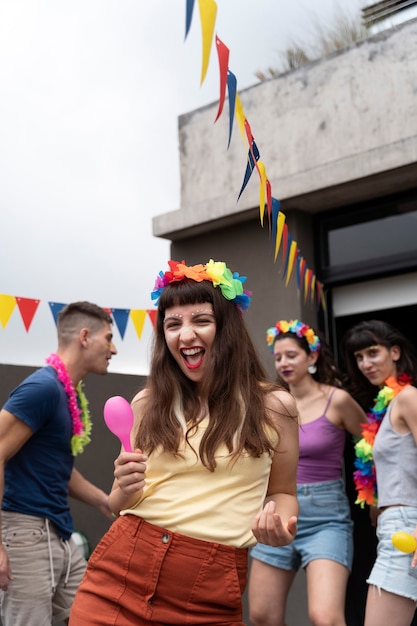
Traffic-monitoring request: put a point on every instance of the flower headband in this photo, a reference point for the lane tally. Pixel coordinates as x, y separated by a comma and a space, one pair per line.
298, 328
231, 284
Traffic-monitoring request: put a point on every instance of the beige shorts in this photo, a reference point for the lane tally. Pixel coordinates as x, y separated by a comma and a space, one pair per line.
46, 572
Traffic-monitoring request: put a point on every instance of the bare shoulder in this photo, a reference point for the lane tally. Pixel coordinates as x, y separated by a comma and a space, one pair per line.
138, 402
281, 402
143, 393
408, 397
341, 397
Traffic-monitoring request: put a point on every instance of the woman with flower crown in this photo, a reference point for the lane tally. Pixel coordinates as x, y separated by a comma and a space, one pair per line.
212, 471
324, 542
382, 366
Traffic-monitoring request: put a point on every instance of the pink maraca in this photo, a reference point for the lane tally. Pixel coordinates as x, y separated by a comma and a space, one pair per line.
118, 416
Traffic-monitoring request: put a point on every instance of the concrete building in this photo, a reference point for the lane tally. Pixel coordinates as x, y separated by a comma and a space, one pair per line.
338, 138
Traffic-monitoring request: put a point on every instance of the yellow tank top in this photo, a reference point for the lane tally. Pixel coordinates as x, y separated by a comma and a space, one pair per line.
185, 497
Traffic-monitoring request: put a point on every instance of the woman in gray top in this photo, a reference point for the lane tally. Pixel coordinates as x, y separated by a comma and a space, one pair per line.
381, 363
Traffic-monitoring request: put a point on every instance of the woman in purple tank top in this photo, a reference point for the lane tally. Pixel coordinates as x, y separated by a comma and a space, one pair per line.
323, 545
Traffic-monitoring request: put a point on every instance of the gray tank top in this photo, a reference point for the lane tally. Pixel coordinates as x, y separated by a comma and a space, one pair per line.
395, 458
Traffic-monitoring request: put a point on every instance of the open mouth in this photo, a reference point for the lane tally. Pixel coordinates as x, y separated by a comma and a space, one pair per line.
193, 357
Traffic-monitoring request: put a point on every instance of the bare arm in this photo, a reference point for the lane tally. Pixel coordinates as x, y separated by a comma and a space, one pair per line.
348, 413
13, 435
404, 419
83, 490
276, 524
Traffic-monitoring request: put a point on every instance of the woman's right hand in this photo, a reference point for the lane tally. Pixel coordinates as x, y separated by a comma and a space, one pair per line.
130, 471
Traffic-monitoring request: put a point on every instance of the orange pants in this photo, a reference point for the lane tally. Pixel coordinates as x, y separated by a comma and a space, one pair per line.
145, 575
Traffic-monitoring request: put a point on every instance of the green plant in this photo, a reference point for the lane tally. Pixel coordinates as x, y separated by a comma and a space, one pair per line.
344, 30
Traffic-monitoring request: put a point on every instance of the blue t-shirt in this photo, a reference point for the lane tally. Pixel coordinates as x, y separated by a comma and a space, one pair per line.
36, 477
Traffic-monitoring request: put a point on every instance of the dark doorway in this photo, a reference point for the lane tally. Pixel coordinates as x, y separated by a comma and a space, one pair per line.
403, 318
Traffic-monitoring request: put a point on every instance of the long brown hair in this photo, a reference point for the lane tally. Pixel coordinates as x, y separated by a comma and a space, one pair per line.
234, 389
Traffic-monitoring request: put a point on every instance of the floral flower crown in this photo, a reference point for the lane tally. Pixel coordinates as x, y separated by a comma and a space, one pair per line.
231, 284
298, 328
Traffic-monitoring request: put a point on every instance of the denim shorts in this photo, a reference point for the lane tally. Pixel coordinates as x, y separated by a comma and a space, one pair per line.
392, 571
325, 529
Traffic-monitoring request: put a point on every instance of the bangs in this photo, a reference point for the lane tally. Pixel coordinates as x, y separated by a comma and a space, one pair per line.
186, 291
361, 339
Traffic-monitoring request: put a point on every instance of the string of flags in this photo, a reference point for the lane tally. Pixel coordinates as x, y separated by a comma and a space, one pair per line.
28, 307
292, 259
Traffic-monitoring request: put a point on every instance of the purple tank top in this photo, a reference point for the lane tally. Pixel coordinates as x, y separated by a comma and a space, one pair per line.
321, 450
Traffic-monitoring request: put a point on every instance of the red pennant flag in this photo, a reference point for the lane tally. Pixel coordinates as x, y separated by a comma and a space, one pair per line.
152, 316
223, 56
27, 308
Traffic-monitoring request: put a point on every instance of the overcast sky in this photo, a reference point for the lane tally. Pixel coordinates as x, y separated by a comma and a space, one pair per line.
90, 93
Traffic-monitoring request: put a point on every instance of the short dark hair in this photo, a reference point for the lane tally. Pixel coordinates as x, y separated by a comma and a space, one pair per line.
76, 315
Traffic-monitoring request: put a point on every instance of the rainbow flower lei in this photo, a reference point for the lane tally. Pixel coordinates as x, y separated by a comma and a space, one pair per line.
293, 326
231, 284
77, 404
365, 476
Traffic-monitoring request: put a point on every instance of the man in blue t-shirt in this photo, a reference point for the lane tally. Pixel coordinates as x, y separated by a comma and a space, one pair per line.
44, 423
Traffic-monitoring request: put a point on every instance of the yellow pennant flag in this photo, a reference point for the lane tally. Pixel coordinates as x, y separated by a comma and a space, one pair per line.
138, 317
307, 278
262, 189
280, 230
208, 11
313, 287
240, 116
291, 259
7, 305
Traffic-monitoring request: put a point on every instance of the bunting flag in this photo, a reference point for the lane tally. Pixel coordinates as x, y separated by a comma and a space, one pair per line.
121, 317
28, 307
291, 255
55, 309
291, 259
253, 156
231, 90
188, 16
223, 56
7, 306
138, 319
152, 316
208, 12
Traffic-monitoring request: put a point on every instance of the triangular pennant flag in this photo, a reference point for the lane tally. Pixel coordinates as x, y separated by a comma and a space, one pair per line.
269, 201
291, 259
297, 270
7, 306
27, 308
188, 16
285, 238
231, 89
223, 56
313, 287
240, 116
138, 317
121, 317
287, 256
208, 11
262, 190
55, 309
307, 282
253, 155
302, 272
152, 316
